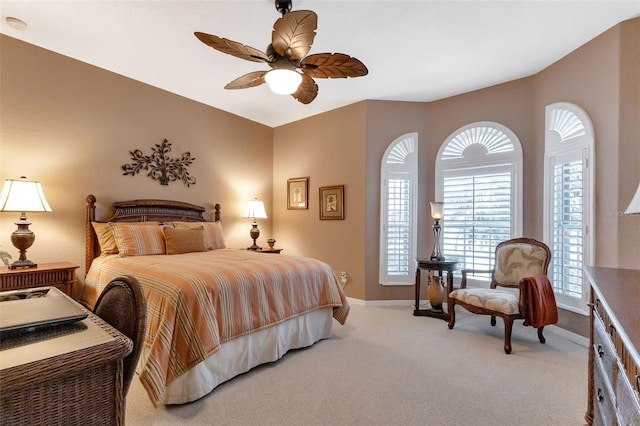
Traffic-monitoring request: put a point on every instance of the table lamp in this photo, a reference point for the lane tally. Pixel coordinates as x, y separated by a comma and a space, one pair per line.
634, 205
255, 210
22, 195
436, 214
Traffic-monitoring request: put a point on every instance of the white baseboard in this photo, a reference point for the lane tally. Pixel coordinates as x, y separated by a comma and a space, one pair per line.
361, 302
569, 335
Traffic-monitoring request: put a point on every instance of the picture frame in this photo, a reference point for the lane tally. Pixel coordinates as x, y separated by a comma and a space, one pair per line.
298, 193
332, 202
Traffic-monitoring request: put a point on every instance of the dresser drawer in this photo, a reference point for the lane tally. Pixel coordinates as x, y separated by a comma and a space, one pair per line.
626, 401
604, 350
603, 397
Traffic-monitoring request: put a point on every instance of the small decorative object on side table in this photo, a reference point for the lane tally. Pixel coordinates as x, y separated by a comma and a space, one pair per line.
436, 295
58, 274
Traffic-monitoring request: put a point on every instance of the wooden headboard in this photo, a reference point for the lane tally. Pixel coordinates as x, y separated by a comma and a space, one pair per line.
141, 211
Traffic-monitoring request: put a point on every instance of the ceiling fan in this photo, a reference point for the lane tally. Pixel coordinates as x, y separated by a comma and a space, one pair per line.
292, 71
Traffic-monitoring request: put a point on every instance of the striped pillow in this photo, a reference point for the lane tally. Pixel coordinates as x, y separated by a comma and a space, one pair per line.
137, 239
213, 235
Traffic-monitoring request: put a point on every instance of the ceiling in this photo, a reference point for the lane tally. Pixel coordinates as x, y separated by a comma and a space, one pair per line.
420, 50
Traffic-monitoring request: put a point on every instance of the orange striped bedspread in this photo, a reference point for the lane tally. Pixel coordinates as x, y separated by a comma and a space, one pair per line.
197, 301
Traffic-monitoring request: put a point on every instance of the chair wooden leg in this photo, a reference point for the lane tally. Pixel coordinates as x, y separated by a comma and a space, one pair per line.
493, 320
451, 305
540, 336
508, 325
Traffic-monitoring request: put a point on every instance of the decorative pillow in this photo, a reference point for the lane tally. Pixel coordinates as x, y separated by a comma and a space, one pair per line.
184, 240
105, 238
138, 238
213, 235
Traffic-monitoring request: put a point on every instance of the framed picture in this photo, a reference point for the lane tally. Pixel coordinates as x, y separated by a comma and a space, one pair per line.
332, 202
298, 193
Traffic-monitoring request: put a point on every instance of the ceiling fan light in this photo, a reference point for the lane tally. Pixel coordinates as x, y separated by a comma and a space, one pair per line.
283, 81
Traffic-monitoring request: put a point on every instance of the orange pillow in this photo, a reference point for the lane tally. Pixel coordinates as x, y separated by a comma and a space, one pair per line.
213, 235
105, 238
184, 240
138, 238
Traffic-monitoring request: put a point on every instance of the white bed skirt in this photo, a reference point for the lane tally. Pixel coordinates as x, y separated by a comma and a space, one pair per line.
242, 354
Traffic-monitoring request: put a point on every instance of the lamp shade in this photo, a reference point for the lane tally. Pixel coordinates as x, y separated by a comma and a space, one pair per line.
255, 210
22, 195
283, 81
436, 209
634, 205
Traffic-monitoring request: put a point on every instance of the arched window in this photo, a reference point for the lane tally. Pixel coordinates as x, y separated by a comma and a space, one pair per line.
479, 178
398, 207
568, 200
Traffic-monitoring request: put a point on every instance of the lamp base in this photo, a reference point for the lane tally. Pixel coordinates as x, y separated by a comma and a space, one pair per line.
23, 264
254, 233
437, 258
22, 238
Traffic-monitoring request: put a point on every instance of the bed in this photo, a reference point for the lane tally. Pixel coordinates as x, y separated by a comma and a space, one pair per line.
213, 312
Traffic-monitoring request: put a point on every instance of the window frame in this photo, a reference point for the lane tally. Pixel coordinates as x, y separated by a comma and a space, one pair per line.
399, 159
479, 153
569, 134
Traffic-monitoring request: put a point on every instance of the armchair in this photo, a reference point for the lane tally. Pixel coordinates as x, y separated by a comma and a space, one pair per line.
520, 264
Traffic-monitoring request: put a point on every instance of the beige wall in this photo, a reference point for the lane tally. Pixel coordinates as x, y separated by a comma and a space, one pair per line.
71, 126
602, 77
590, 78
329, 149
629, 147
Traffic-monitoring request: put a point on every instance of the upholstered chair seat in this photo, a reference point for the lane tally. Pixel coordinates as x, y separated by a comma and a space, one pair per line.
487, 298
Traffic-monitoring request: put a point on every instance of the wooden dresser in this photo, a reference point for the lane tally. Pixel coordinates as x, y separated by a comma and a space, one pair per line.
614, 363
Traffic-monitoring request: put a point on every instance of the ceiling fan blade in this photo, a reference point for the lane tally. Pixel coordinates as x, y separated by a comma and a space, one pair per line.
252, 79
307, 91
333, 65
233, 48
293, 34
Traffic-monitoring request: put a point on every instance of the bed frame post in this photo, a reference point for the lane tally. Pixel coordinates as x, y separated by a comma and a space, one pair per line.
91, 242
216, 214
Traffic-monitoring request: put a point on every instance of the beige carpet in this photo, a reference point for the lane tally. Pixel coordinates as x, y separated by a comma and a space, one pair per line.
387, 367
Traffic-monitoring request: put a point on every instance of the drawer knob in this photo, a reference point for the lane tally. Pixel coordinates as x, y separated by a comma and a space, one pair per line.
600, 351
600, 396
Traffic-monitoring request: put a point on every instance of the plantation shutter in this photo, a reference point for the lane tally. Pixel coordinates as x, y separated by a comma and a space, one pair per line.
398, 224
477, 216
567, 228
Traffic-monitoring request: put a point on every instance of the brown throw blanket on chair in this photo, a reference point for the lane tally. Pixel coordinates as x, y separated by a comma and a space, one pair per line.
539, 302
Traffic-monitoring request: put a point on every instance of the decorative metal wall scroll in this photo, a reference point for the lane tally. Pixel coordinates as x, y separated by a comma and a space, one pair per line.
160, 166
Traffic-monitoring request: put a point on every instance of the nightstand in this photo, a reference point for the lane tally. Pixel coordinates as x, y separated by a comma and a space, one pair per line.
269, 250
58, 274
